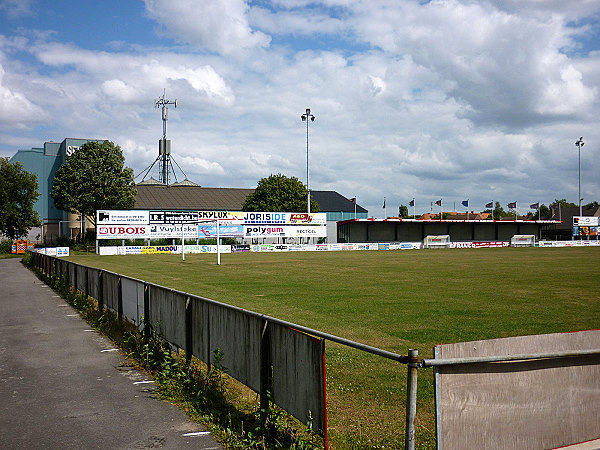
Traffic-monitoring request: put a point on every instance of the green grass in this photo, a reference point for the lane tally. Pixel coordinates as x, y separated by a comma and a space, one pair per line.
394, 300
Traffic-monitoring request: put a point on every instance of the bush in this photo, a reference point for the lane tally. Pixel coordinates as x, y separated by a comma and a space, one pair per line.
6, 246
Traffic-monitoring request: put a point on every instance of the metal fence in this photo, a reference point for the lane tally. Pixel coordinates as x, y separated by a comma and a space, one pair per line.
284, 362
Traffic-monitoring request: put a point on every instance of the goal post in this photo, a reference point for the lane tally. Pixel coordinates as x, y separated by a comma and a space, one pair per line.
522, 240
437, 241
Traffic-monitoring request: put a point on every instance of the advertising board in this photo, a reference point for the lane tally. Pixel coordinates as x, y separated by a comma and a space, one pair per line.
284, 218
172, 216
487, 244
287, 231
585, 231
225, 217
122, 217
190, 231
587, 221
122, 232
210, 231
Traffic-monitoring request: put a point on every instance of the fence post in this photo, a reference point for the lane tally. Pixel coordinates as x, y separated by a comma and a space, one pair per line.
86, 289
147, 329
188, 330
100, 292
75, 278
120, 299
411, 399
265, 371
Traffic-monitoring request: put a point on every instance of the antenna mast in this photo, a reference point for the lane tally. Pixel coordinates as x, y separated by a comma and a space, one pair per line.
164, 145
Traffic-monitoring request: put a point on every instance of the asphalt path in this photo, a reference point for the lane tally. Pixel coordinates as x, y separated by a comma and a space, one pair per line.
63, 385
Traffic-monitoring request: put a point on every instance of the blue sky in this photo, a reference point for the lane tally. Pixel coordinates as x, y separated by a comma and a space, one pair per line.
451, 99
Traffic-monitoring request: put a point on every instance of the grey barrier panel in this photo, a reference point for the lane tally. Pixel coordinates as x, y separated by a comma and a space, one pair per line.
236, 334
80, 277
93, 288
110, 286
298, 375
539, 403
71, 271
133, 299
167, 314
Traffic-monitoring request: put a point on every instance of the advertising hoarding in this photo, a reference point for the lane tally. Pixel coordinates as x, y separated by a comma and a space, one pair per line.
586, 221
122, 217
287, 231
172, 216
210, 231
284, 218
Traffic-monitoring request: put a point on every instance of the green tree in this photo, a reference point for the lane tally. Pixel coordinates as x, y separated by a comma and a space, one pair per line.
94, 178
564, 203
18, 193
499, 211
403, 211
544, 213
279, 193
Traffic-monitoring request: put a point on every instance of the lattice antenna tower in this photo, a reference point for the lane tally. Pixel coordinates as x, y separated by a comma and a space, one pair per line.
164, 145
165, 160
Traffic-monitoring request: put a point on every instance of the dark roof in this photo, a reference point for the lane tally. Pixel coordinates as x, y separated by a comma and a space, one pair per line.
190, 198
331, 201
161, 197
566, 214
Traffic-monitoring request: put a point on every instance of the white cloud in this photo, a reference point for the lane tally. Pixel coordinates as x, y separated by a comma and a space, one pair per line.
16, 8
15, 108
217, 26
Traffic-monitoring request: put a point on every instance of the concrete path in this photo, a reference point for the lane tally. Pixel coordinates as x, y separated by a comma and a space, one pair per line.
65, 386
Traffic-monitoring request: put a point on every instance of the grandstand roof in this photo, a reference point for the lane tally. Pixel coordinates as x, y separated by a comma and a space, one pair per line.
186, 197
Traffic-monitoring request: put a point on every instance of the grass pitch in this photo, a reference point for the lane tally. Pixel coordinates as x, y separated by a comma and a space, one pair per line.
394, 300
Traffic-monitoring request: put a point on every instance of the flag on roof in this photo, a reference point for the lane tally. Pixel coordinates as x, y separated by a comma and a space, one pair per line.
535, 205
412, 202
439, 202
512, 205
383, 202
353, 200
489, 205
465, 203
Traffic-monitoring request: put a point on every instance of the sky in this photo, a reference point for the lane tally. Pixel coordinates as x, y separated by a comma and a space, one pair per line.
427, 100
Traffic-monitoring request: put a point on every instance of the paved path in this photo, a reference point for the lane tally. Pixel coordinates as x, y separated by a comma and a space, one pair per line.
64, 386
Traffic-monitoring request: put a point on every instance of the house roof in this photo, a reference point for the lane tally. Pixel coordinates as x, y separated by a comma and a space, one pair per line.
186, 197
566, 214
331, 201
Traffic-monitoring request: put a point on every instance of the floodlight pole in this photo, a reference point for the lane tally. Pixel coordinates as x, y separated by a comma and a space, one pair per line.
307, 117
580, 144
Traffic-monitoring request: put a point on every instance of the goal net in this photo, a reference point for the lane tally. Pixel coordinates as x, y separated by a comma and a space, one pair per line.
437, 241
522, 240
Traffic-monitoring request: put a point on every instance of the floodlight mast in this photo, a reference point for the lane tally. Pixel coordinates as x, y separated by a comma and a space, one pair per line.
580, 144
307, 117
164, 149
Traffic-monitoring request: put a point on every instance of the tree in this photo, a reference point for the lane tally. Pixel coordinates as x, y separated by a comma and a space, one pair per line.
499, 211
564, 203
93, 178
18, 193
279, 193
403, 211
543, 214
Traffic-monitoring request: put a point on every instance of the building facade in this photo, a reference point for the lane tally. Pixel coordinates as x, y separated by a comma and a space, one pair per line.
44, 162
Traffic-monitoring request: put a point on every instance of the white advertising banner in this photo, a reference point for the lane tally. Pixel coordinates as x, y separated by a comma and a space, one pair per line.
586, 221
210, 231
122, 231
114, 217
225, 217
286, 231
285, 218
172, 216
190, 231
